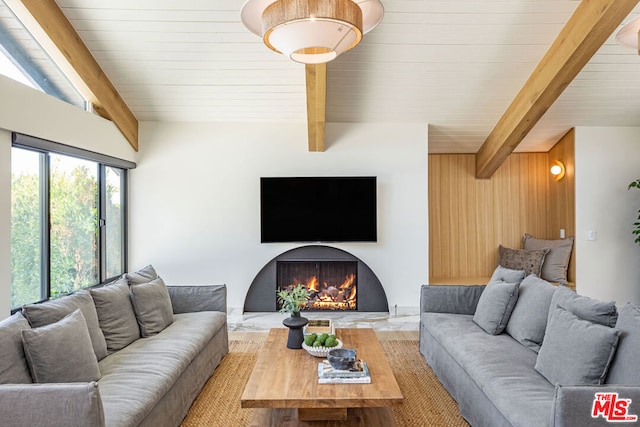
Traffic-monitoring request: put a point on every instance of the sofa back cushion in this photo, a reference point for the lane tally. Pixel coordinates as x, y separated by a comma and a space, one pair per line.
13, 364
495, 306
152, 306
624, 369
51, 311
596, 311
575, 351
115, 314
61, 352
529, 318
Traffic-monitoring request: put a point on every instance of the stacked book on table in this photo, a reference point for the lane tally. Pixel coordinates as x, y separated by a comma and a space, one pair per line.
328, 375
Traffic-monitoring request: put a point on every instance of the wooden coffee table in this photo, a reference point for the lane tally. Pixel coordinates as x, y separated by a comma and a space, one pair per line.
285, 382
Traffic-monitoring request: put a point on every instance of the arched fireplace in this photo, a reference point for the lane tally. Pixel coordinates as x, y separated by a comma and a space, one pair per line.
336, 280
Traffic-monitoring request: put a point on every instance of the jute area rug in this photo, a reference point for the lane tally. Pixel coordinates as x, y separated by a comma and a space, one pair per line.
426, 403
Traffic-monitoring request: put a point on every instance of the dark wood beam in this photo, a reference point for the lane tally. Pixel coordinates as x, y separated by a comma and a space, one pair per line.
53, 31
316, 75
588, 28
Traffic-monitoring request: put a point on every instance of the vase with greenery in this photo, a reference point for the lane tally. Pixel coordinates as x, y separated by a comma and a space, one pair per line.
292, 301
636, 231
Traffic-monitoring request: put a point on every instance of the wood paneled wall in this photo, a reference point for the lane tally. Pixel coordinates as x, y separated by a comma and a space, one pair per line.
469, 218
562, 196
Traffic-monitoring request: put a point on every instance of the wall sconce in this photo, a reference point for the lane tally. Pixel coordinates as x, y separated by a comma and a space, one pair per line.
557, 170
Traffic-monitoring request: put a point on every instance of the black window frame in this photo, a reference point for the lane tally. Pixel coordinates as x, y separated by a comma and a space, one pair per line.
46, 147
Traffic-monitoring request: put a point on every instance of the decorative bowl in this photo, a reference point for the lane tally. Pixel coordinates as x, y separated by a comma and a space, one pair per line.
341, 358
320, 351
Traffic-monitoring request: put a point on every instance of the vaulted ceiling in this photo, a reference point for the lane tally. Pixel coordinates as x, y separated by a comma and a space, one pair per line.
455, 65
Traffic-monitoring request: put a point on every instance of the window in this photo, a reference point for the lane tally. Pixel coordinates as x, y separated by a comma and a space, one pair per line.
24, 60
68, 221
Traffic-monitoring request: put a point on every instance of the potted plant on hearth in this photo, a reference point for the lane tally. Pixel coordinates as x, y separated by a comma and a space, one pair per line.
636, 231
292, 301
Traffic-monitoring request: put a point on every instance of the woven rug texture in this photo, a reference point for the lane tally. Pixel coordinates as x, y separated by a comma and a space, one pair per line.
426, 402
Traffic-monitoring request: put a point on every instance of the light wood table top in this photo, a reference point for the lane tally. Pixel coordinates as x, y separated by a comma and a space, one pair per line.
285, 378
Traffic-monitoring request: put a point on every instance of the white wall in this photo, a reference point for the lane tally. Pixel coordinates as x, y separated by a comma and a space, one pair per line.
607, 160
194, 199
31, 112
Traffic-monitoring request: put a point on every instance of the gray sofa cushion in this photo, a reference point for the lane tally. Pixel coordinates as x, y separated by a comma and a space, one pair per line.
603, 313
624, 369
529, 318
53, 310
115, 315
498, 364
61, 352
556, 262
495, 306
575, 351
502, 274
144, 275
152, 306
13, 364
157, 362
520, 259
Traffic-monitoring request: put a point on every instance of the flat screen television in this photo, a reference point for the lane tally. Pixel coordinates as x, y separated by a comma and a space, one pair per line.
318, 209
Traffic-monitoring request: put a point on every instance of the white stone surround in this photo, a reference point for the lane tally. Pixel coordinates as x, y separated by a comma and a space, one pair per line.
404, 319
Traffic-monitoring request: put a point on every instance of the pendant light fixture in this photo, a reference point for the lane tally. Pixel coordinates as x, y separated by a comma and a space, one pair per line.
311, 31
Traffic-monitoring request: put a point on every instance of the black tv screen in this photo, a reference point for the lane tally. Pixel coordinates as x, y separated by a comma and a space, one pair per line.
318, 209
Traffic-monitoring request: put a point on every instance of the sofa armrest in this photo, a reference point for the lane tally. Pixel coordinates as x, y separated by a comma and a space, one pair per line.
456, 299
192, 298
575, 405
51, 405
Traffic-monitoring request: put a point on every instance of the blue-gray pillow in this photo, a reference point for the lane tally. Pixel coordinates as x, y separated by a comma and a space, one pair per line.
575, 351
115, 314
152, 306
13, 364
502, 274
495, 306
624, 369
51, 311
61, 352
593, 310
144, 275
529, 318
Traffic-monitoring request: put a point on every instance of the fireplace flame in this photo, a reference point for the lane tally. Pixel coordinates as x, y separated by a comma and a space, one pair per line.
325, 296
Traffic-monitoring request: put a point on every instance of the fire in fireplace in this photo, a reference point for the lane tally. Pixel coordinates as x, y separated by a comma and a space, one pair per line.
331, 284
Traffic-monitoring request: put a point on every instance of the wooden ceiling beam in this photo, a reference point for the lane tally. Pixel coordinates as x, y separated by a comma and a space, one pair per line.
588, 28
316, 76
48, 25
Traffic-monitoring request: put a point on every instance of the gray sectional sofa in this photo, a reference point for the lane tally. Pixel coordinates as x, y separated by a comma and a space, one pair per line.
559, 359
132, 353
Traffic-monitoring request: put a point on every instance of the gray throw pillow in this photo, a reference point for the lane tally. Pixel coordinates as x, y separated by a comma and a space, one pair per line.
502, 274
13, 364
53, 310
115, 314
529, 318
61, 352
604, 313
575, 351
520, 259
556, 263
144, 275
152, 306
495, 306
624, 369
